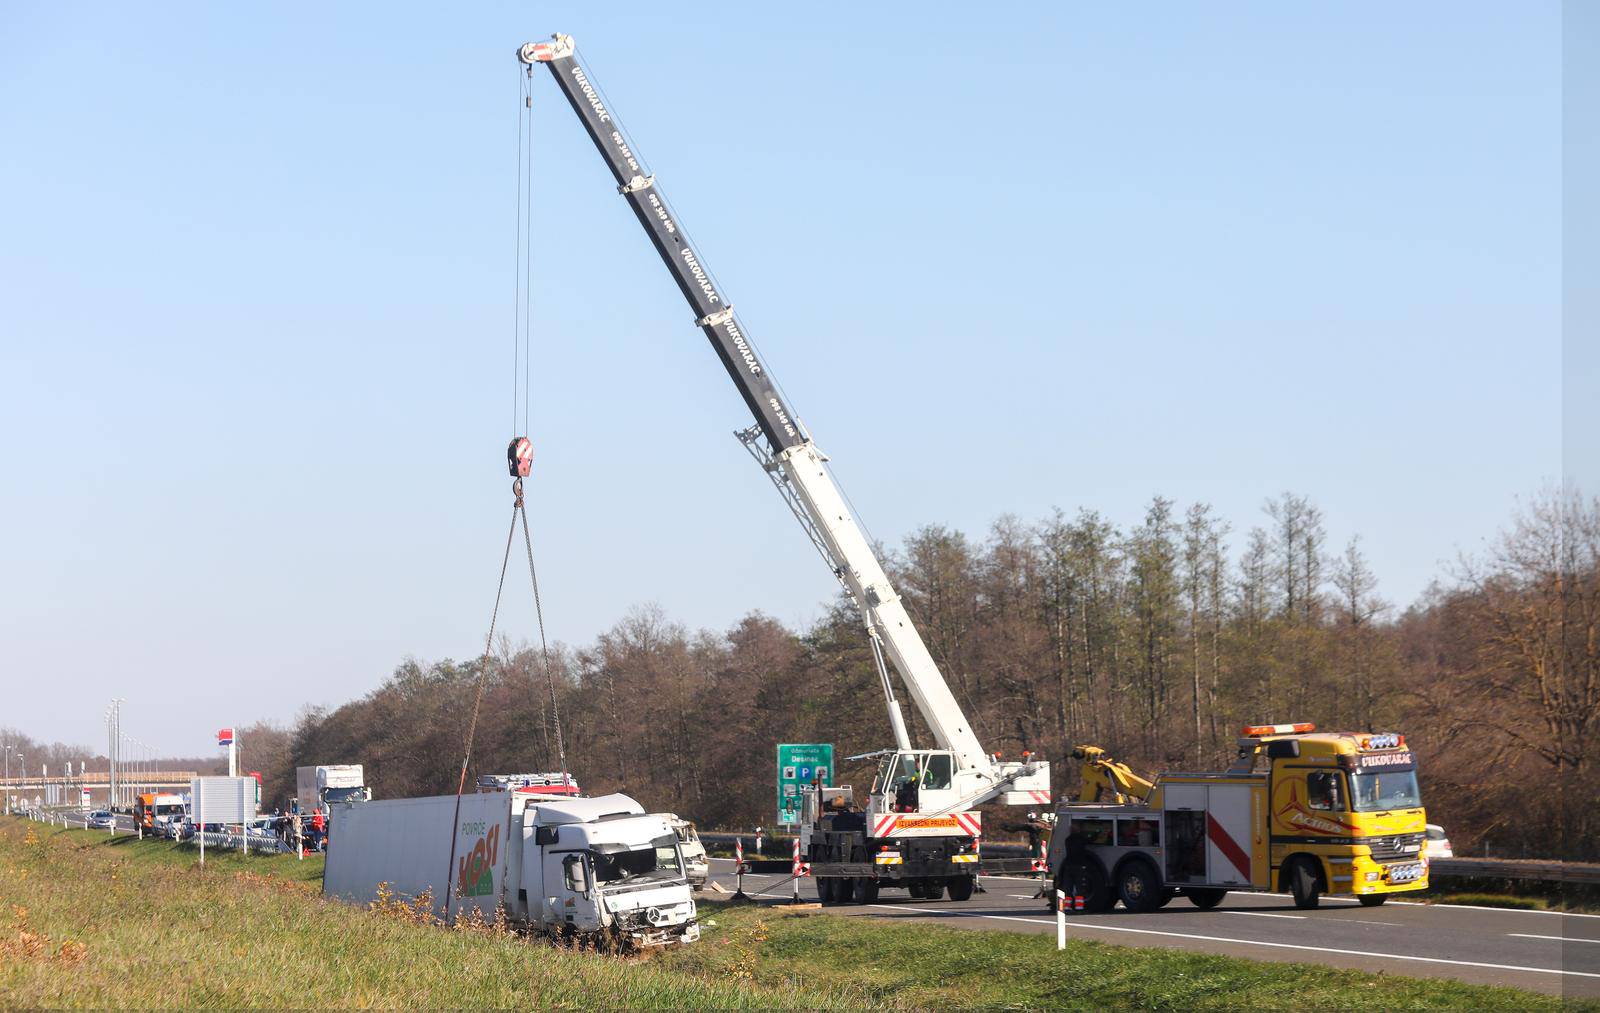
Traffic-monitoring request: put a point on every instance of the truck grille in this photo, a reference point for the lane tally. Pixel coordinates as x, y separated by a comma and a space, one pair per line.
1395, 847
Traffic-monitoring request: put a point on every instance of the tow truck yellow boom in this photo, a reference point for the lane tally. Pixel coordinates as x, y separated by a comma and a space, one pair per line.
1107, 781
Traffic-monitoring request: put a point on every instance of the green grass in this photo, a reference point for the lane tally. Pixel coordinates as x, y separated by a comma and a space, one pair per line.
931, 966
92, 922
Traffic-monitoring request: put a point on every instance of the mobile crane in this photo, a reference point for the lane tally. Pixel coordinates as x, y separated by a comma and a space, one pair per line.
919, 829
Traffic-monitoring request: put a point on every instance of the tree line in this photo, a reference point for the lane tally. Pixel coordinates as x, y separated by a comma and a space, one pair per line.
1156, 641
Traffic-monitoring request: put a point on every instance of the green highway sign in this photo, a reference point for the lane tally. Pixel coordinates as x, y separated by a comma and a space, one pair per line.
801, 763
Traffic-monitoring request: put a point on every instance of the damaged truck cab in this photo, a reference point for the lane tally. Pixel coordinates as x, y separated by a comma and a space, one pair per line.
598, 868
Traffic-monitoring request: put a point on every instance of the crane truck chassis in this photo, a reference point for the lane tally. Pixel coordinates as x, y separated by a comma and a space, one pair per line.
920, 826
1298, 811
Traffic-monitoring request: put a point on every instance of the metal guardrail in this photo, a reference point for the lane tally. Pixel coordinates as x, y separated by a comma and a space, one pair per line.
1509, 868
228, 841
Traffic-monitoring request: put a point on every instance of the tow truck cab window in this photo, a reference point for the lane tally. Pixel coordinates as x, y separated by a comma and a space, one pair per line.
1325, 790
1093, 831
1137, 833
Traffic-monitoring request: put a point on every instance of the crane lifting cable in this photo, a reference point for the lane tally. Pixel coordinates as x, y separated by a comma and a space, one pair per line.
519, 462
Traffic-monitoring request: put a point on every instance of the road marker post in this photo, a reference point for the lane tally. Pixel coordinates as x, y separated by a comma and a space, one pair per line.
795, 879
738, 866
1061, 920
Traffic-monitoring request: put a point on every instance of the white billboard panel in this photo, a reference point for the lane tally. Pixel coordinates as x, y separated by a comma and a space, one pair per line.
223, 799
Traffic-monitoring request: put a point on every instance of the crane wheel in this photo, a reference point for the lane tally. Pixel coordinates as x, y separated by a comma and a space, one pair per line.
961, 888
827, 889
866, 891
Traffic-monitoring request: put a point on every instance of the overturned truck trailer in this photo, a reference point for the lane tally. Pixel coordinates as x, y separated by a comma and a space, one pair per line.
563, 867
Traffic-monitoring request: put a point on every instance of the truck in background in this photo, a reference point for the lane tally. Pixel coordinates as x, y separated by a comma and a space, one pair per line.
317, 790
1298, 811
321, 786
548, 783
155, 810
600, 869
696, 864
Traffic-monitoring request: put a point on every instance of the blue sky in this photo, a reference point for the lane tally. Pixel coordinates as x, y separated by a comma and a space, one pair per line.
256, 277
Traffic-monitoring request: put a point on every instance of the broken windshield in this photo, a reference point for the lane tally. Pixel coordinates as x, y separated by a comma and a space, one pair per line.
658, 860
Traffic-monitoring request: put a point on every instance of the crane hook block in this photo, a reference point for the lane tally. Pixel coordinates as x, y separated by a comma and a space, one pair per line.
519, 457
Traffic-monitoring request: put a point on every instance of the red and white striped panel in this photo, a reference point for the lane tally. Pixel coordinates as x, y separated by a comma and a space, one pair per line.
943, 825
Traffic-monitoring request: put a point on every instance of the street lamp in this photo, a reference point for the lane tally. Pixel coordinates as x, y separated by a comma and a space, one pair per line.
7, 749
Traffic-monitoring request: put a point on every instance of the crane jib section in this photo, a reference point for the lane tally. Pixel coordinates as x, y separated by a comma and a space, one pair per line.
713, 313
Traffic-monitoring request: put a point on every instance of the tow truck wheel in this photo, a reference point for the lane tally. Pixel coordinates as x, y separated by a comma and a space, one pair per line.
1204, 898
961, 888
932, 889
866, 891
915, 889
1372, 899
1139, 887
1303, 884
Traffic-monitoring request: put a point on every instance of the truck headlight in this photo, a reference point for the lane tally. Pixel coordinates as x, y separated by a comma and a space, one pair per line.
1374, 876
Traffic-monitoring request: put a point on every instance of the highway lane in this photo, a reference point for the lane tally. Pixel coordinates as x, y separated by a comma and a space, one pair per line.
1538, 950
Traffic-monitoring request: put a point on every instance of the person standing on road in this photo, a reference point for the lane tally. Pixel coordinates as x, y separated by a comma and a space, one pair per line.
1075, 870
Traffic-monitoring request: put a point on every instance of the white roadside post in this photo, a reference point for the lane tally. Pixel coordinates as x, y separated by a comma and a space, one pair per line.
200, 816
738, 865
1061, 920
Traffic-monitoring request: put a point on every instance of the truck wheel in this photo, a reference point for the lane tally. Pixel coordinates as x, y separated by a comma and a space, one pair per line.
1372, 899
961, 888
915, 889
932, 889
866, 891
1204, 898
1303, 884
827, 889
1139, 887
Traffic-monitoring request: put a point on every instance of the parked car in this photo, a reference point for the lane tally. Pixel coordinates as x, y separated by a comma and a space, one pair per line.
263, 826
1438, 845
101, 819
189, 827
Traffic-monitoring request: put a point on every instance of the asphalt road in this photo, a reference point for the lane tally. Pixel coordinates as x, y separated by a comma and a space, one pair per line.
1538, 950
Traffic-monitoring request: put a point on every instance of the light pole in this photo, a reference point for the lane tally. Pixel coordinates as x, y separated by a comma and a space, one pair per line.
7, 748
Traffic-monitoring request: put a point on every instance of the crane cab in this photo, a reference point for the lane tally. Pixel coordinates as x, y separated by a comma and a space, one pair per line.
915, 781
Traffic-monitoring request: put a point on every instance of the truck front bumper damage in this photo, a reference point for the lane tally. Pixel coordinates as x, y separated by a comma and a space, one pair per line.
658, 924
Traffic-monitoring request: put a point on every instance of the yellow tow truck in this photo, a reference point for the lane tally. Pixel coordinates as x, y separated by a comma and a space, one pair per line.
1299, 811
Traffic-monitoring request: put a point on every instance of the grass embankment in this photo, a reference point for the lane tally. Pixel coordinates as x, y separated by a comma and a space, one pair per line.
92, 922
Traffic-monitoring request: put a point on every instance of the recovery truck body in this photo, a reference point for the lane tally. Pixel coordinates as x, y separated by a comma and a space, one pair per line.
591, 867
920, 827
1335, 813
